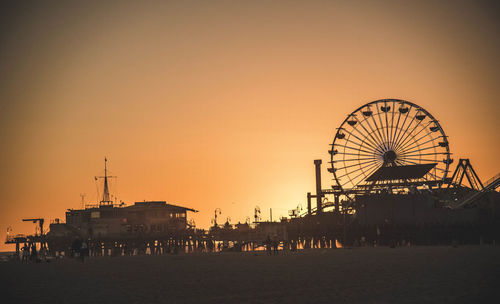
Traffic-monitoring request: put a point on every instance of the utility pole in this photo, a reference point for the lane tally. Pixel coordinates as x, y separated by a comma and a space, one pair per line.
82, 195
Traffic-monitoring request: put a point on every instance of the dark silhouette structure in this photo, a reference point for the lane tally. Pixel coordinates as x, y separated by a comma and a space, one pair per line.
390, 161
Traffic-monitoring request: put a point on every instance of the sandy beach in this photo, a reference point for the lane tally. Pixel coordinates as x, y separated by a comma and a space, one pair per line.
359, 275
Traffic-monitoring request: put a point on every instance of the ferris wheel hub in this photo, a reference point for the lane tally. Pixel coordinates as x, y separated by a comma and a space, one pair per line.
389, 157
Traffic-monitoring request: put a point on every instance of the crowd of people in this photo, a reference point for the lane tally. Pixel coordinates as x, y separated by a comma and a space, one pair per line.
30, 254
79, 249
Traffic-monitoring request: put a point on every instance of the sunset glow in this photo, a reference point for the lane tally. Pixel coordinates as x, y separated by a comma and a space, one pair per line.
221, 104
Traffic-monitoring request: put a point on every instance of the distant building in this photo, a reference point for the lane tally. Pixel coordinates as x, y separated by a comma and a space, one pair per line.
142, 218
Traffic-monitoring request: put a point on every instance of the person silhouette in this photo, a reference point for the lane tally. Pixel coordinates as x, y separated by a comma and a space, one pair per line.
34, 253
25, 253
84, 251
268, 245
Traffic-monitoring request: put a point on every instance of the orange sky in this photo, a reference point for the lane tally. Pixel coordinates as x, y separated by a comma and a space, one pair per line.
222, 104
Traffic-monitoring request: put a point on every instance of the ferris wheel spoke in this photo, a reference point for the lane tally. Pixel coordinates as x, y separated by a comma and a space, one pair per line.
407, 135
398, 133
382, 120
415, 145
402, 132
369, 174
377, 129
381, 129
350, 166
356, 170
347, 182
353, 135
336, 146
421, 160
386, 125
348, 139
403, 144
413, 148
358, 149
380, 142
414, 163
406, 161
376, 150
399, 162
420, 147
373, 140
356, 177
394, 133
419, 151
425, 154
393, 128
413, 123
368, 168
349, 159
421, 144
367, 139
356, 154
367, 146
412, 145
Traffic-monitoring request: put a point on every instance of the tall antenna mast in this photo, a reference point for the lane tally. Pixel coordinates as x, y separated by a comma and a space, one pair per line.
105, 195
106, 201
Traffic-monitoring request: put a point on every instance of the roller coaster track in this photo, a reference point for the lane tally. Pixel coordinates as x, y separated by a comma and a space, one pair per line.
490, 185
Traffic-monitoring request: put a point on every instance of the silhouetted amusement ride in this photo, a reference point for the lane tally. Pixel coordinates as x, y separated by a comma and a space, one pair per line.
390, 162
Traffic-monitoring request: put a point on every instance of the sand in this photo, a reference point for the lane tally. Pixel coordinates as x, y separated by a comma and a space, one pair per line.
359, 275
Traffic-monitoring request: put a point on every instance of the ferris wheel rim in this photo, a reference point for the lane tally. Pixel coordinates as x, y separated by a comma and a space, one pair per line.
447, 161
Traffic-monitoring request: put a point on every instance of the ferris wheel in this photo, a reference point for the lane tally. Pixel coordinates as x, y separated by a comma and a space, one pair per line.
385, 142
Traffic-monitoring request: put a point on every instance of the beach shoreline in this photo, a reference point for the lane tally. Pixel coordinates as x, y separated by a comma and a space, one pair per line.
359, 275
